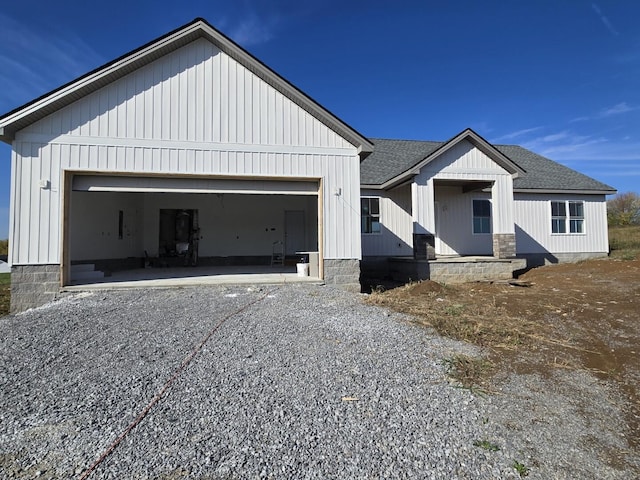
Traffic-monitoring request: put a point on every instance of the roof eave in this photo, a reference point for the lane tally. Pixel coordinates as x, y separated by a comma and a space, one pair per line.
397, 180
612, 191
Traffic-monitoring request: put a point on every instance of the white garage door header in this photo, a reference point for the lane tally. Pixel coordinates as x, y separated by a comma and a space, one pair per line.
104, 183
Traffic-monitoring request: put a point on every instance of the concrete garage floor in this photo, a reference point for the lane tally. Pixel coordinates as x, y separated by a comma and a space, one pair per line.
193, 276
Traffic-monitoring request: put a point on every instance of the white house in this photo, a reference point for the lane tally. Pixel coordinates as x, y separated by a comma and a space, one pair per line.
511, 208
189, 129
189, 145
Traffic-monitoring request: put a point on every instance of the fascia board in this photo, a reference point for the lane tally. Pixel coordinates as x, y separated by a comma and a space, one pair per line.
564, 192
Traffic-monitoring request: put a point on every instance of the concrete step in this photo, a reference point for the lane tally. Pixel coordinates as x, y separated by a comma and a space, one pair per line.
83, 267
86, 275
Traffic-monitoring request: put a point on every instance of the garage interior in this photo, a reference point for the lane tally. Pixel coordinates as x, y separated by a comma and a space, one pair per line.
123, 229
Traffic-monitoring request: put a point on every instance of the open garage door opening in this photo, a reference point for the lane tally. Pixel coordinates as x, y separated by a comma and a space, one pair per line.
117, 235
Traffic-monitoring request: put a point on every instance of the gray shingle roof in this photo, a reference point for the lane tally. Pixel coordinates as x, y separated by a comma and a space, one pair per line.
392, 158
545, 174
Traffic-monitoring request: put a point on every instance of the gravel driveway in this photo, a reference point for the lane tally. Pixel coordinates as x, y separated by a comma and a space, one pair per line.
297, 382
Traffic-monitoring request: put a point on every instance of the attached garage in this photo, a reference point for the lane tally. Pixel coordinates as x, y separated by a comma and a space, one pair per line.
120, 223
187, 147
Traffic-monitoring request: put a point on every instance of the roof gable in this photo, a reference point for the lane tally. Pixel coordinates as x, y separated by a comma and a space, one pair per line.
395, 161
51, 102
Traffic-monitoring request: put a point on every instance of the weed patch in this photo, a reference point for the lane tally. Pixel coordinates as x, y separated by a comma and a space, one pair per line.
487, 445
470, 372
522, 470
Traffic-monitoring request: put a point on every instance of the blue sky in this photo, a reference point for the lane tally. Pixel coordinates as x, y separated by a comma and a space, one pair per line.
561, 78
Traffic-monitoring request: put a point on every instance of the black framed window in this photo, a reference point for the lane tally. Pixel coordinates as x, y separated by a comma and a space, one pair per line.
481, 216
370, 215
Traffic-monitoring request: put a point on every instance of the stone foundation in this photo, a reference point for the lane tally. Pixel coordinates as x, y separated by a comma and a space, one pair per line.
343, 273
540, 259
33, 285
504, 245
472, 271
450, 269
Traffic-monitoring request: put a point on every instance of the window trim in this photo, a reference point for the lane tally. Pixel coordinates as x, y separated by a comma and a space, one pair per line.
378, 215
473, 217
567, 219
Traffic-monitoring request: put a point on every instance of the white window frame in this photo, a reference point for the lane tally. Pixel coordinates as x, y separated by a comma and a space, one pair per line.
371, 215
568, 220
473, 217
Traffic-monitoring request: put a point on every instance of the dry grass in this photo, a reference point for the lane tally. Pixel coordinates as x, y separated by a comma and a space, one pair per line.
471, 372
624, 242
460, 313
5, 293
465, 314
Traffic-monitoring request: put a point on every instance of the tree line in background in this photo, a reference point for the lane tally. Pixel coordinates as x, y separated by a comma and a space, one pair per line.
624, 210
4, 247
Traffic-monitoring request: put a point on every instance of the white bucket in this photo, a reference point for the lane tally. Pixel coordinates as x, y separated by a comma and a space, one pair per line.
303, 269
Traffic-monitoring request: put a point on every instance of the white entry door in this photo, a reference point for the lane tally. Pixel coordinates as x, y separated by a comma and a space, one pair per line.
294, 232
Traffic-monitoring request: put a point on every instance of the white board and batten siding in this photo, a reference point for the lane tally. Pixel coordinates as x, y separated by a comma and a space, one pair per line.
454, 225
396, 237
194, 112
533, 225
462, 163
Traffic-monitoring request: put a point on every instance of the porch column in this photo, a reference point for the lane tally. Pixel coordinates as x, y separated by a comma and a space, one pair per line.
504, 234
423, 215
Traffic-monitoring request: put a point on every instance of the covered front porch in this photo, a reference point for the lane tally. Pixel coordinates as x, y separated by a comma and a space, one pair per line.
469, 217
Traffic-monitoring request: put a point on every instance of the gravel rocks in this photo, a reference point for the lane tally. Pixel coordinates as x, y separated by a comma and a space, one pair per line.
307, 382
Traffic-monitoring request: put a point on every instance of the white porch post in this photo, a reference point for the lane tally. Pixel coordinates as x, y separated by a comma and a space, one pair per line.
423, 214
423, 207
504, 233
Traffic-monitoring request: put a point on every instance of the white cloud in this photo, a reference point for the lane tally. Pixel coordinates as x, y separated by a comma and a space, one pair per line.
516, 134
254, 30
555, 137
617, 109
607, 23
580, 119
563, 141
572, 148
36, 60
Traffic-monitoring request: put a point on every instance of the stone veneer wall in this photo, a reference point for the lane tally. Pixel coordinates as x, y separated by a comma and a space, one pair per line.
504, 245
33, 285
457, 272
343, 273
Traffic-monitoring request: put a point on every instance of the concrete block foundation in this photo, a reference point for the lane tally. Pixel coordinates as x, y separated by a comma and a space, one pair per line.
443, 269
33, 286
343, 273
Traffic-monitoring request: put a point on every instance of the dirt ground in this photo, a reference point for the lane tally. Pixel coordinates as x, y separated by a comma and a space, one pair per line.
583, 316
590, 316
